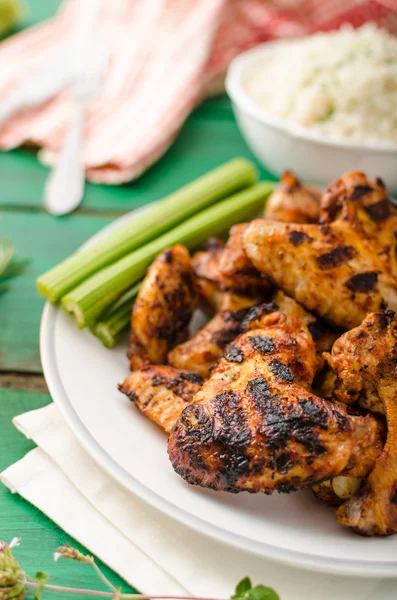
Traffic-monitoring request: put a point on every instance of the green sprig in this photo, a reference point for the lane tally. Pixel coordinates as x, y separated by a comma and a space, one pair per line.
245, 591
15, 584
41, 578
9, 265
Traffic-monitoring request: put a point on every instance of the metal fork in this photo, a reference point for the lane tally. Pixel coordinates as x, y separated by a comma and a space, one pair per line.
64, 188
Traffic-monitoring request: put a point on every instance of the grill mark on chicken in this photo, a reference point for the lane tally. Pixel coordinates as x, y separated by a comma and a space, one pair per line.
192, 377
292, 423
198, 425
342, 420
335, 257
130, 394
281, 371
310, 409
232, 435
380, 211
380, 182
359, 191
234, 354
393, 497
178, 383
308, 439
233, 320
362, 282
231, 431
168, 256
385, 318
259, 389
284, 463
299, 237
257, 311
282, 421
227, 430
262, 344
273, 413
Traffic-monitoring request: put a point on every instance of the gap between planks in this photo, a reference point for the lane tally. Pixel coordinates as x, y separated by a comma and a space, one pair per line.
33, 382
83, 212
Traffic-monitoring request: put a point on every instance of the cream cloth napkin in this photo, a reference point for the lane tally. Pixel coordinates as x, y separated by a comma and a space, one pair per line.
154, 553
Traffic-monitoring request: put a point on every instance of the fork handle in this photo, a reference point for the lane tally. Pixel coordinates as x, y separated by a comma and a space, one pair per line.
65, 185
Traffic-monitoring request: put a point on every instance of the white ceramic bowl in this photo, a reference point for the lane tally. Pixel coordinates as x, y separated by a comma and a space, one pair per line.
280, 144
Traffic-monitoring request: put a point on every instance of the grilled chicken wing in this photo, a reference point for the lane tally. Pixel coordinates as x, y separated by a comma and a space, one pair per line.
365, 361
255, 426
206, 267
161, 392
323, 335
163, 309
206, 262
236, 271
343, 268
203, 350
293, 202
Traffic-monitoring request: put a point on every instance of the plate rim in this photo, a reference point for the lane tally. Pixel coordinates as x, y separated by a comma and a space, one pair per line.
101, 457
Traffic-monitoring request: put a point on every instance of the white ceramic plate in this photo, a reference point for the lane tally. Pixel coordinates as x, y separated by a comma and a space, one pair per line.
294, 529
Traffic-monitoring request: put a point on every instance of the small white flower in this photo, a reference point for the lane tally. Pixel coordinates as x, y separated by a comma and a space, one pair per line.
15, 542
57, 556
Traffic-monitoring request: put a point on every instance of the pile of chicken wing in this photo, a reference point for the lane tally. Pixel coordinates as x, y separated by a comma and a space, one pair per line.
292, 382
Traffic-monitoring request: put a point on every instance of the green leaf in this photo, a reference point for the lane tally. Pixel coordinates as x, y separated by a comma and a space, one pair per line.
9, 267
243, 586
262, 592
15, 267
6, 254
41, 579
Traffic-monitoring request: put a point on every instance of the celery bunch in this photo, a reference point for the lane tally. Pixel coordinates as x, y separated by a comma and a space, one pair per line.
98, 284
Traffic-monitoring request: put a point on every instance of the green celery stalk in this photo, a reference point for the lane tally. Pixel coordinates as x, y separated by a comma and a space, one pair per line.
91, 298
231, 177
116, 319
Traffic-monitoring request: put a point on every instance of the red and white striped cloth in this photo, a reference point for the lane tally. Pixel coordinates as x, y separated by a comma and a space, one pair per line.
164, 57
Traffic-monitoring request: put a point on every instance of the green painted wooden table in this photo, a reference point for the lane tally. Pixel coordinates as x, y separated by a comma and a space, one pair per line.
209, 138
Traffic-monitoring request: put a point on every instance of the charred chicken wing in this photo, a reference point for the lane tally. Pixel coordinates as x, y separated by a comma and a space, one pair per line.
365, 361
161, 393
163, 309
206, 262
342, 268
255, 426
236, 271
206, 268
203, 350
293, 202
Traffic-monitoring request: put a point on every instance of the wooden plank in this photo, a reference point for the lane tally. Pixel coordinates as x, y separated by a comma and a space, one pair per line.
33, 382
40, 536
38, 10
209, 138
46, 240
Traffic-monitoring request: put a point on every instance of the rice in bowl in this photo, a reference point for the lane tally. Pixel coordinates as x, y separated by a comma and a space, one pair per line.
341, 84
